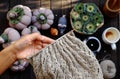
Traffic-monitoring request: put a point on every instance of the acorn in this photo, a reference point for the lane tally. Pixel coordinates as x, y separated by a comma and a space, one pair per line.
54, 31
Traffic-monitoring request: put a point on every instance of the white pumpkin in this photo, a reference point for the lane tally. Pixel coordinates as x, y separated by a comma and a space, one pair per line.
9, 36
42, 18
29, 30
19, 17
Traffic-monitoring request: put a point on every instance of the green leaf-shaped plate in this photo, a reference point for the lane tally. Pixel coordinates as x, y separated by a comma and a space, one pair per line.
86, 18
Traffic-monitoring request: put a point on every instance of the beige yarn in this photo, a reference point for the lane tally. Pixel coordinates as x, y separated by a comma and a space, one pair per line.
67, 58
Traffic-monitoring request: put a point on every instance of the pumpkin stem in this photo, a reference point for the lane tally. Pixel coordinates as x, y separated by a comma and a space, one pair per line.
42, 19
13, 15
16, 14
5, 38
31, 28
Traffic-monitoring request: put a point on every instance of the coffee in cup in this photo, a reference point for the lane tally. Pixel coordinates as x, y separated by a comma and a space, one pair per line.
111, 36
93, 43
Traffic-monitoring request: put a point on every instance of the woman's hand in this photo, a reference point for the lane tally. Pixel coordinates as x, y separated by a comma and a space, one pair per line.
30, 45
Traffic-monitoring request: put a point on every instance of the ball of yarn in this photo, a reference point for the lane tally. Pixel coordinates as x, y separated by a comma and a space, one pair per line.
108, 68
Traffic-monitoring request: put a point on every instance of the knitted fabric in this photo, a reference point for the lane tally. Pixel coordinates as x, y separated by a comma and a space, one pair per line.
67, 58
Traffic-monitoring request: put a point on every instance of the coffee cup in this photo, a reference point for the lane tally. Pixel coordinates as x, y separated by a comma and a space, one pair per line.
111, 36
112, 8
93, 43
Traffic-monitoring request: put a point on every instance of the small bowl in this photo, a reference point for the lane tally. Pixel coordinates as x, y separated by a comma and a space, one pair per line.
86, 18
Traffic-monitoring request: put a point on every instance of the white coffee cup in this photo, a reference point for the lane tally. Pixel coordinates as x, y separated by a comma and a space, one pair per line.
111, 36
93, 43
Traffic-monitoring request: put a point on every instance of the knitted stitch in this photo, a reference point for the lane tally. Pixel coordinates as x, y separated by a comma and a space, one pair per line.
67, 58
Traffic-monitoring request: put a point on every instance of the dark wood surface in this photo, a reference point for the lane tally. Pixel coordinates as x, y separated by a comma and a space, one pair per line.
60, 7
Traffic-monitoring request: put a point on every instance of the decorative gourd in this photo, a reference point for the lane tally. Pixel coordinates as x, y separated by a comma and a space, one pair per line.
9, 36
29, 30
42, 18
62, 24
19, 17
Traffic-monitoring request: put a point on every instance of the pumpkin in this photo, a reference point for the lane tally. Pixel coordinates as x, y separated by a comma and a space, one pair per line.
29, 30
42, 18
9, 36
19, 17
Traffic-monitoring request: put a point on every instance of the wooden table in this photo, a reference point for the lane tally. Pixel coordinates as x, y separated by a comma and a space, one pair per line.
60, 7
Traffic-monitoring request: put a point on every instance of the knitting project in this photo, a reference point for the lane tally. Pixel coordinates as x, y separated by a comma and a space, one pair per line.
67, 58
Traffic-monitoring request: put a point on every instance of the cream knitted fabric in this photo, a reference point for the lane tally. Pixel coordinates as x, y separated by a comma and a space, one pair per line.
66, 58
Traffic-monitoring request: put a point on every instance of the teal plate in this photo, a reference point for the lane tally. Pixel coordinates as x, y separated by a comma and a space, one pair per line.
86, 18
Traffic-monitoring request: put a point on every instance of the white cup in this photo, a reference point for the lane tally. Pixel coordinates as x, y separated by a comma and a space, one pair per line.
111, 36
93, 43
